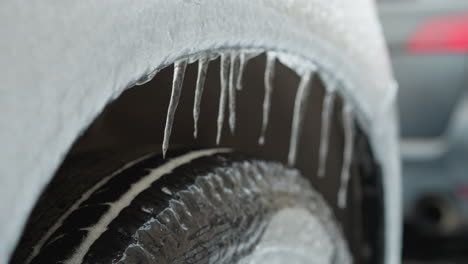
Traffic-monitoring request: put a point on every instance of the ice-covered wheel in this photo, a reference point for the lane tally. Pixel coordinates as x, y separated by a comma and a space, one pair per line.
199, 206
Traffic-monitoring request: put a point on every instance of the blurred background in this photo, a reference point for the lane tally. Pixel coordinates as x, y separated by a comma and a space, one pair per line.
428, 43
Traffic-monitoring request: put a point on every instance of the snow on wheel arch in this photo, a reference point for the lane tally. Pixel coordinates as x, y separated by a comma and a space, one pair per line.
62, 62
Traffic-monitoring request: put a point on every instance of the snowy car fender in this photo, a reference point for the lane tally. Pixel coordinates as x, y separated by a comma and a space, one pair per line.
62, 62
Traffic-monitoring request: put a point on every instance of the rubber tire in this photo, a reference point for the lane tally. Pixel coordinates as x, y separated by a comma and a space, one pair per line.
201, 212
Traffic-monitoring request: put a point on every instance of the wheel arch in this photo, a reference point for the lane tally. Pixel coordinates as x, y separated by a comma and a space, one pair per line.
61, 72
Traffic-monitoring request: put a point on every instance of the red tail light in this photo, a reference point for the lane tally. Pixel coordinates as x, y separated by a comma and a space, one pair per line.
444, 34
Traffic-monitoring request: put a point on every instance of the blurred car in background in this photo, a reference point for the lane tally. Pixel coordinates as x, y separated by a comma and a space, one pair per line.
428, 43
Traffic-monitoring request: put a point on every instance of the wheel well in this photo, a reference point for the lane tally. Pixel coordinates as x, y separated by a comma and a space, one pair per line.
133, 125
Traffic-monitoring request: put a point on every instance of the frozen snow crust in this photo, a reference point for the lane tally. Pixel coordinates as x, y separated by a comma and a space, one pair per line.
62, 62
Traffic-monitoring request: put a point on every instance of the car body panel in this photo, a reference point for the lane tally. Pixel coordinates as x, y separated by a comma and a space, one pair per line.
437, 76
428, 43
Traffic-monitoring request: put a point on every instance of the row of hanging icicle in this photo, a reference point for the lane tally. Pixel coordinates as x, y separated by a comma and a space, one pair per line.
232, 68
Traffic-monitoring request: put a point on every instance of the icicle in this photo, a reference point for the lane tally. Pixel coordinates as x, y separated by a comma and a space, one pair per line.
268, 79
348, 126
166, 190
327, 111
242, 63
224, 72
244, 57
233, 75
203, 63
213, 55
147, 78
178, 78
302, 95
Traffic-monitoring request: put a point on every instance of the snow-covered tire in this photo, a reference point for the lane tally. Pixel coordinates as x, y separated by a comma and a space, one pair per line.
203, 206
63, 62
